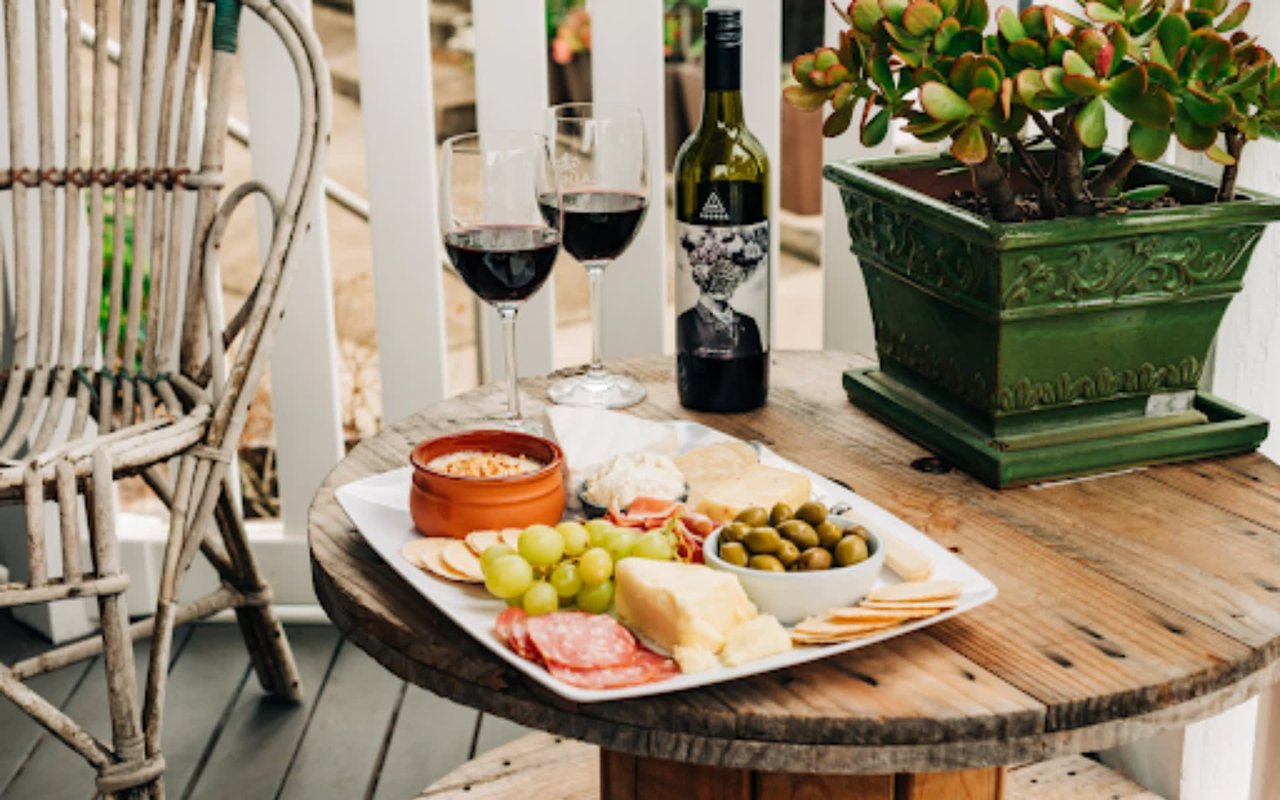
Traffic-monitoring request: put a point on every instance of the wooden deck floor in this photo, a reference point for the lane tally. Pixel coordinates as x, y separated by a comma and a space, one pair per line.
361, 733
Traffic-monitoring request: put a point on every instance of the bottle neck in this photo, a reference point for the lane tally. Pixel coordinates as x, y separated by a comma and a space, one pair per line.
723, 108
722, 80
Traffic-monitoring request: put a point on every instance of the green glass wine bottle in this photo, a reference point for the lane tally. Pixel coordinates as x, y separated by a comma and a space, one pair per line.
722, 240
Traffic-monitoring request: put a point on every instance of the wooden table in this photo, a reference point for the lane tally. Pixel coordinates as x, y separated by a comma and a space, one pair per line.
1128, 605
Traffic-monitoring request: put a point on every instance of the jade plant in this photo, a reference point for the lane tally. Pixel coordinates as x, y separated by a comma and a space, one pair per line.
1030, 94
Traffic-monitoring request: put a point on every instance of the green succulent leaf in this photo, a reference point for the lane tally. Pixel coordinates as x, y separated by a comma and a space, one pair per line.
947, 29
1219, 156
1173, 34
1057, 48
927, 129
805, 98
982, 100
1029, 84
1034, 23
1010, 26
1235, 19
970, 145
1191, 134
1100, 12
921, 18
967, 40
1206, 110
1053, 80
838, 121
1091, 123
1075, 64
1199, 19
978, 14
941, 103
802, 66
1149, 144
1154, 109
876, 129
882, 74
1083, 86
1213, 55
866, 13
1069, 18
1027, 52
1145, 194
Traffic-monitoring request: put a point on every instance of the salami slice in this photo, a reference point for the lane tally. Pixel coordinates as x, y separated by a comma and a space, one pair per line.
579, 640
505, 621
646, 666
512, 630
660, 667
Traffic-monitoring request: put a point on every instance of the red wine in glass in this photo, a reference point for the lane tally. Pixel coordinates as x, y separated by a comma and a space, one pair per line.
599, 224
503, 263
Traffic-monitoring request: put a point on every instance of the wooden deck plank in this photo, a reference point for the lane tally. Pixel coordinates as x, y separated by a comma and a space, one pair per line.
203, 684
432, 736
497, 731
339, 755
254, 750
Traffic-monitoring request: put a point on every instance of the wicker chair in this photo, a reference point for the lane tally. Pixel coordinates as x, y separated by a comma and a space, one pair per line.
162, 389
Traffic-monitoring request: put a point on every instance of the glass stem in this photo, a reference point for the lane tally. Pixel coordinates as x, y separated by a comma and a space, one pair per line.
595, 273
508, 315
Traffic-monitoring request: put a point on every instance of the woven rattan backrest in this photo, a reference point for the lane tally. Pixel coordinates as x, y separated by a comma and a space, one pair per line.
106, 304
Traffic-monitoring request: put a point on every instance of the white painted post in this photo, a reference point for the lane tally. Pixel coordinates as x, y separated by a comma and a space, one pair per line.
627, 69
511, 94
304, 364
396, 99
846, 313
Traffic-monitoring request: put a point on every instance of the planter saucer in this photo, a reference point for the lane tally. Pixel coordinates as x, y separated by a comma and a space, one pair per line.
1229, 429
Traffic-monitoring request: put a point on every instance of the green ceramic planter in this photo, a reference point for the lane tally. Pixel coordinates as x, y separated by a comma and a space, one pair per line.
1026, 339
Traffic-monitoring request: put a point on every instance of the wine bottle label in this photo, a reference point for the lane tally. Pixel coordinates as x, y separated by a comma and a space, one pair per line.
722, 273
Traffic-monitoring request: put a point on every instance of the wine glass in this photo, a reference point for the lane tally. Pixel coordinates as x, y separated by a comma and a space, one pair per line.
602, 168
495, 230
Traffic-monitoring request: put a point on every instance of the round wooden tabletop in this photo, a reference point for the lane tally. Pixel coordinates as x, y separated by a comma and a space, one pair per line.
1128, 605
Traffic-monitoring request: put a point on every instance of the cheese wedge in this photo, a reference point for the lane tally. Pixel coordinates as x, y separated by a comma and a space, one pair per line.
759, 485
754, 639
680, 605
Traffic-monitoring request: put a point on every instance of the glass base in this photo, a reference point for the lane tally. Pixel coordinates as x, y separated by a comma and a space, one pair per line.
596, 391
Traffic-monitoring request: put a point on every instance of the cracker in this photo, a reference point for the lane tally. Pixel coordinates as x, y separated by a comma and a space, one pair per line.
721, 461
510, 537
861, 614
937, 605
814, 627
459, 558
479, 541
415, 551
917, 591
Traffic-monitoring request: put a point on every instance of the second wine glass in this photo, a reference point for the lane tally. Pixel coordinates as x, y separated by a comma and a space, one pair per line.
602, 167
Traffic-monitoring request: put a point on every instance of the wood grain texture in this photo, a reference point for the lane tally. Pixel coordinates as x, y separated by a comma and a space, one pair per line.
1113, 620
783, 786
549, 765
1072, 778
972, 784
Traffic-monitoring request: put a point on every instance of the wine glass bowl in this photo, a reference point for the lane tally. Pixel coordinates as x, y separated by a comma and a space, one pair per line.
496, 233
601, 163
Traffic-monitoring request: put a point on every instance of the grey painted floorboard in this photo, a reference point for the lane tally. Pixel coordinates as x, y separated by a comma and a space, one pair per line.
340, 754
432, 736
495, 731
203, 686
253, 752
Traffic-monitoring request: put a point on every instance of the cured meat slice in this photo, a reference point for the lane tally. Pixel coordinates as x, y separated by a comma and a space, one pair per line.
660, 667
579, 640
512, 629
646, 667
503, 624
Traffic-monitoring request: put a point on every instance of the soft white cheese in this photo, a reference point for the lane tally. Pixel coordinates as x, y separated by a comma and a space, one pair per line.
680, 605
695, 659
624, 478
754, 639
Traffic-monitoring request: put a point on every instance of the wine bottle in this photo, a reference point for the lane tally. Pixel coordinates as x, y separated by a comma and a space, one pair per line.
722, 240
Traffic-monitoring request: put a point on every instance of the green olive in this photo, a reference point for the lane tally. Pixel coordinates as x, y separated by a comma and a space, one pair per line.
763, 541
734, 531
766, 563
781, 513
815, 558
860, 531
829, 534
788, 553
734, 553
752, 517
799, 532
851, 550
812, 512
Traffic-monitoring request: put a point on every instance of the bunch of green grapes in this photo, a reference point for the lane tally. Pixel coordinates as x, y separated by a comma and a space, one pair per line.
571, 563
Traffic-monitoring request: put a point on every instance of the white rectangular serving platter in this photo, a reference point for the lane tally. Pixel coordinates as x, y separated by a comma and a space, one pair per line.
379, 507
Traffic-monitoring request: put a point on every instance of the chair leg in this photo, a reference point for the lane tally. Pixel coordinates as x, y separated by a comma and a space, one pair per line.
264, 636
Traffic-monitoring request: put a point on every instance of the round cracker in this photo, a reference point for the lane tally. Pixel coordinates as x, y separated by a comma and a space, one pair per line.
917, 591
510, 537
459, 558
861, 614
935, 605
433, 562
479, 541
820, 628
415, 551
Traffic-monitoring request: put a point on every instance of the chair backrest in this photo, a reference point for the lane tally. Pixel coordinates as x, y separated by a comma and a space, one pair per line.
112, 298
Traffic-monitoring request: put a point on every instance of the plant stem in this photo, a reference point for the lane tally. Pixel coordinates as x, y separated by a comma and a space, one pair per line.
993, 184
1046, 127
1037, 173
1071, 167
1230, 173
1116, 173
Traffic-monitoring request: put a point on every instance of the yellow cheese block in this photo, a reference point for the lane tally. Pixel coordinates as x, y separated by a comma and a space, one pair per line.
754, 639
759, 485
676, 605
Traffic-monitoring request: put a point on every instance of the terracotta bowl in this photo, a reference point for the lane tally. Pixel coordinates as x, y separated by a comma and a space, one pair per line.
452, 505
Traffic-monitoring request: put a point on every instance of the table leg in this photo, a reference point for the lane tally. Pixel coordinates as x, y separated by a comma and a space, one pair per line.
627, 777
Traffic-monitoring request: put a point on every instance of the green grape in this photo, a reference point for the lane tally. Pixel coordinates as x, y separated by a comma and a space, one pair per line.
541, 598
509, 576
619, 542
595, 566
596, 530
541, 545
596, 598
652, 545
576, 538
567, 580
491, 554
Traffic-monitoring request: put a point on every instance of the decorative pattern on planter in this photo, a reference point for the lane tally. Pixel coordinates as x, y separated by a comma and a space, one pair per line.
1108, 271
1026, 395
920, 357
899, 242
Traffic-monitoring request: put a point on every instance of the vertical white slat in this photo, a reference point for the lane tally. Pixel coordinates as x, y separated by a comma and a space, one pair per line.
511, 94
397, 104
304, 361
846, 314
627, 68
761, 87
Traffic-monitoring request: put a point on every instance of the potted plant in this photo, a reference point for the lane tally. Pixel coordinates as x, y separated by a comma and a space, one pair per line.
1043, 306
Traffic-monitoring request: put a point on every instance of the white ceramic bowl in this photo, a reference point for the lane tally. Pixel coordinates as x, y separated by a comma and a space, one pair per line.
792, 596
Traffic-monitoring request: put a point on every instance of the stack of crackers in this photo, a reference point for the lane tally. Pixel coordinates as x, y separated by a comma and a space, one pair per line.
886, 607
456, 559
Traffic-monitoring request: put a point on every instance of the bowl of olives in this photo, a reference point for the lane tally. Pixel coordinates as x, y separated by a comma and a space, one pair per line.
795, 563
